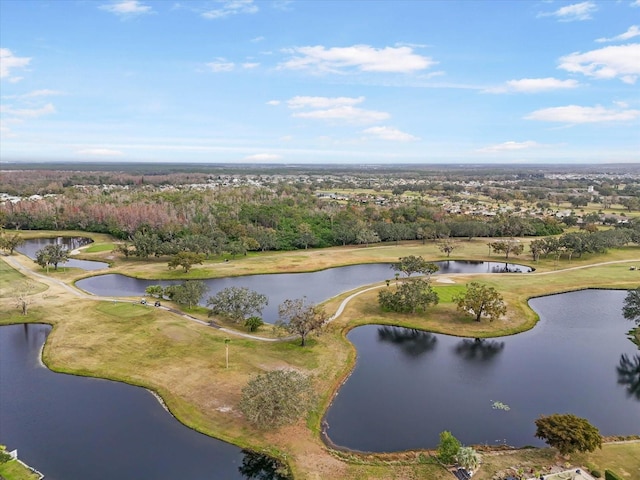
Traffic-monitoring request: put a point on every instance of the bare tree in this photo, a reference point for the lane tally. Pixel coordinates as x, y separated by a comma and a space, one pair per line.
24, 297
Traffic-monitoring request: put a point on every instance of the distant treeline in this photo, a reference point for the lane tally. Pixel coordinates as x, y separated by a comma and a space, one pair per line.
248, 218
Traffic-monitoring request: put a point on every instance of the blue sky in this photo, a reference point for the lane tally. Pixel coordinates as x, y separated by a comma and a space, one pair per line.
242, 81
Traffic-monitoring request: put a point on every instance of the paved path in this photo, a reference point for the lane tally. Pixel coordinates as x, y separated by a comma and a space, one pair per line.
75, 291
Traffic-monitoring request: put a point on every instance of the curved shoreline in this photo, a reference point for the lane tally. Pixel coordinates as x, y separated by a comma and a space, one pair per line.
339, 311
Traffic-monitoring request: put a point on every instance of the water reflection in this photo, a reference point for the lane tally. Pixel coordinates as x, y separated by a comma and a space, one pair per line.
478, 349
31, 246
412, 342
629, 374
262, 467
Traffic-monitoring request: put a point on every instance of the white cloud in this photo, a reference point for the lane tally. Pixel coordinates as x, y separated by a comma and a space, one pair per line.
635, 3
322, 102
345, 113
231, 7
273, 103
262, 157
126, 8
100, 152
632, 31
574, 114
257, 39
221, 65
389, 133
533, 85
363, 58
335, 109
8, 61
609, 62
577, 11
250, 65
28, 112
42, 93
509, 146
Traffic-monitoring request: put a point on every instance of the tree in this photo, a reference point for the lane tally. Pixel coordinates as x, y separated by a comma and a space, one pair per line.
155, 291
186, 260
408, 297
306, 236
412, 264
237, 303
301, 318
10, 242
253, 323
468, 458
366, 236
631, 307
24, 297
52, 255
481, 300
188, 293
276, 398
448, 448
568, 433
507, 247
447, 246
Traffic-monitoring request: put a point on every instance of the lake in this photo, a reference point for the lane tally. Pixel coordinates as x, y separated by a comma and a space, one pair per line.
31, 246
316, 286
78, 428
409, 385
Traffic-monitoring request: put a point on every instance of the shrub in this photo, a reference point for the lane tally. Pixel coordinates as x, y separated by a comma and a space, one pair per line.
609, 475
596, 473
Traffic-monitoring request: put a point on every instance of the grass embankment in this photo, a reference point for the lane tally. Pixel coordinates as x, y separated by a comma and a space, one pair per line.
185, 362
14, 470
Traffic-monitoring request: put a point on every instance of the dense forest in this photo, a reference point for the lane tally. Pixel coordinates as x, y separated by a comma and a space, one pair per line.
169, 212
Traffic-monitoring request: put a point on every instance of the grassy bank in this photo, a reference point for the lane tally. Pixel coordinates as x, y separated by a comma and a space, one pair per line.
185, 362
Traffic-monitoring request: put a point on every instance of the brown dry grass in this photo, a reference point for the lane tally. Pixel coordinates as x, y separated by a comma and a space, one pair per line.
184, 361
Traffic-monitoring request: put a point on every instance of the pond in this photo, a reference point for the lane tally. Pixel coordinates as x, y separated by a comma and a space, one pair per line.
409, 385
75, 428
31, 246
316, 286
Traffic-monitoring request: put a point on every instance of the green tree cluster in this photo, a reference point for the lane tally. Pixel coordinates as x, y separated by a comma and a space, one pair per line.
481, 301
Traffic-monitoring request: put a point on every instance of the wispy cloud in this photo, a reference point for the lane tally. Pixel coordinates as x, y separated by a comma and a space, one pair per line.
621, 61
263, 157
8, 62
633, 31
100, 152
390, 134
571, 13
345, 114
28, 112
126, 8
231, 7
221, 65
334, 109
533, 85
509, 147
357, 58
575, 114
322, 102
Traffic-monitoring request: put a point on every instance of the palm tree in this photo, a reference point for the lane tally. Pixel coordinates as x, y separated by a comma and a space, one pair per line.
468, 458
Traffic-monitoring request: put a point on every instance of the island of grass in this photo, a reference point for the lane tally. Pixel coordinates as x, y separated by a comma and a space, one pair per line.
143, 346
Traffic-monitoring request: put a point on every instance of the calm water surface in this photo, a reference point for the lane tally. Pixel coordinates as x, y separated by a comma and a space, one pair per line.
316, 286
79, 428
31, 246
408, 385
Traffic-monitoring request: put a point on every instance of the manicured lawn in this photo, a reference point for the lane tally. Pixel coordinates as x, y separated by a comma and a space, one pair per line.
99, 247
